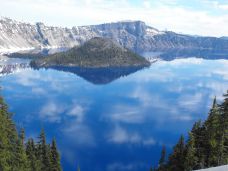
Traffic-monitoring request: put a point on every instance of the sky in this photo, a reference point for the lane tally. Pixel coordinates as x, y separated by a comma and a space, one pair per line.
195, 17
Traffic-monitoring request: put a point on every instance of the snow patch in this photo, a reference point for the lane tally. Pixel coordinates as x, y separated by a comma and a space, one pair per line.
220, 168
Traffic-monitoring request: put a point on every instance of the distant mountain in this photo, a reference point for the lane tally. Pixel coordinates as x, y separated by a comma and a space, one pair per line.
96, 52
134, 35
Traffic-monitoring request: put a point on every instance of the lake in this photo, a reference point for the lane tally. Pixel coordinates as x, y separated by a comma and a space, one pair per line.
114, 119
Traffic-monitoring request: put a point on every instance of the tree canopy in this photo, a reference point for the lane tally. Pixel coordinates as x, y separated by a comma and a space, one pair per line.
207, 143
18, 155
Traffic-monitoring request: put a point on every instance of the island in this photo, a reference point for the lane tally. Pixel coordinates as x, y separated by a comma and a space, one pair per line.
95, 53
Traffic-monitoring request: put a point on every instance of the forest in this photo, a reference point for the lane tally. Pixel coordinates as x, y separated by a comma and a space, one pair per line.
19, 154
206, 145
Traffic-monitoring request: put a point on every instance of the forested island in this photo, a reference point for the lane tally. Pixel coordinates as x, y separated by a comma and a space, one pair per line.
17, 154
95, 53
206, 146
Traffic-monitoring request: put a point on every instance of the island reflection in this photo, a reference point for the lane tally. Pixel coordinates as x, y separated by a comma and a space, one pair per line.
99, 75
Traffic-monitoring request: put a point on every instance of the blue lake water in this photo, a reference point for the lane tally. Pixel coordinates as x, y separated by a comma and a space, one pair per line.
115, 120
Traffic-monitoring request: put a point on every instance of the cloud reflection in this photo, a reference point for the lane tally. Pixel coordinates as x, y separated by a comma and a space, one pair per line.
122, 136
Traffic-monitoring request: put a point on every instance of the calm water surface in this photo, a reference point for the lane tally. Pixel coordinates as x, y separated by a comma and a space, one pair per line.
115, 120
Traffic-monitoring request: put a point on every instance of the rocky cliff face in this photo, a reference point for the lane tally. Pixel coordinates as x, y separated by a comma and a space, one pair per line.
135, 35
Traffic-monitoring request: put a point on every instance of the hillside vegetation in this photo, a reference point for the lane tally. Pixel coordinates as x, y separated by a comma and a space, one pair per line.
16, 154
206, 146
97, 52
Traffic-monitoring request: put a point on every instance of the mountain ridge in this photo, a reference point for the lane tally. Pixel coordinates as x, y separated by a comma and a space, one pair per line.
134, 35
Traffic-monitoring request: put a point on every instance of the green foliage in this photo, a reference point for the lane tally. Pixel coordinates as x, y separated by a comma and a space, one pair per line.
55, 158
16, 155
176, 159
97, 52
207, 144
162, 161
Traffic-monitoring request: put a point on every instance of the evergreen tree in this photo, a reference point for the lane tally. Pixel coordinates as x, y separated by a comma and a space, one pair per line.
176, 159
22, 136
224, 131
212, 136
44, 152
31, 153
16, 155
12, 154
207, 143
190, 156
198, 131
55, 158
5, 153
162, 160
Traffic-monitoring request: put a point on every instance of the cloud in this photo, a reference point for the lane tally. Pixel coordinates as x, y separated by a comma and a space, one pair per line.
51, 112
55, 111
39, 91
79, 133
121, 136
163, 14
77, 111
126, 114
217, 4
190, 102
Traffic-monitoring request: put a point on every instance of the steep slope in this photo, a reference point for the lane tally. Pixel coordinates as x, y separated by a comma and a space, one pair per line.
97, 52
134, 35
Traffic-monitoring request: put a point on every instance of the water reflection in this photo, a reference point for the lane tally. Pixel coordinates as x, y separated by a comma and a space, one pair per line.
188, 53
100, 75
121, 125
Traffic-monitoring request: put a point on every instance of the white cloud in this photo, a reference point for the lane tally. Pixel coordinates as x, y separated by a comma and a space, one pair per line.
71, 13
55, 111
121, 136
39, 91
126, 114
191, 102
217, 4
51, 111
78, 111
78, 133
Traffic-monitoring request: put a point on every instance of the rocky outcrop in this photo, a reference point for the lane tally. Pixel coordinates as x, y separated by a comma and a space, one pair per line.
135, 35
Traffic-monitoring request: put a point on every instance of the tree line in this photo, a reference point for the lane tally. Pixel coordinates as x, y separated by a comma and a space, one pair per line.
206, 146
17, 154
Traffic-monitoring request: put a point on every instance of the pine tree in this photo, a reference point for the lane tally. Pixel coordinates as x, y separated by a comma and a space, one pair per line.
31, 153
12, 153
55, 158
176, 159
44, 152
224, 131
212, 135
162, 160
22, 136
190, 156
5, 153
198, 131
16, 155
